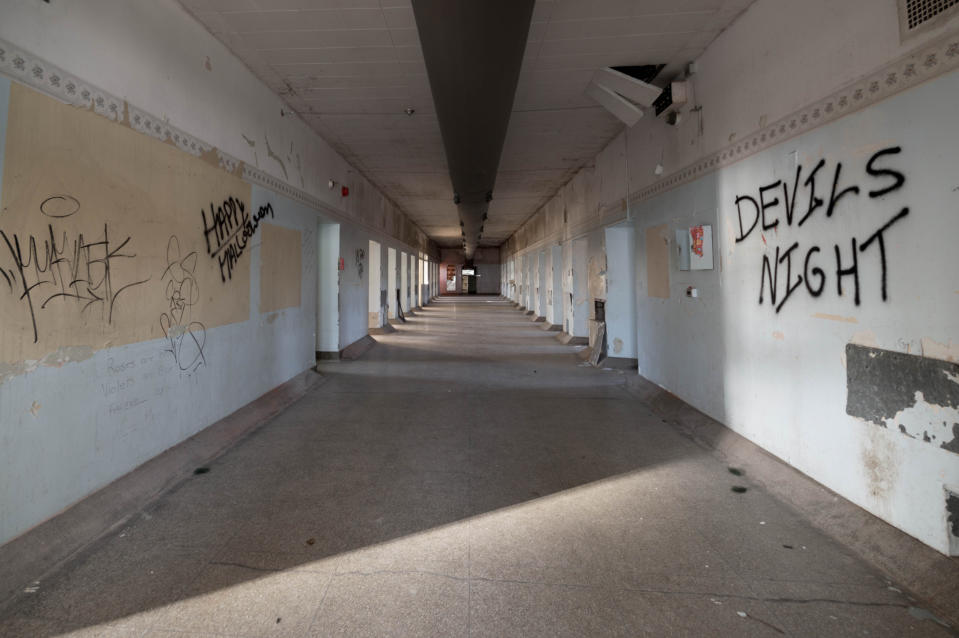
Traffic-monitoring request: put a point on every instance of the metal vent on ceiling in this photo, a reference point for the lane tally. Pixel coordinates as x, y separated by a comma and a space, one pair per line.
918, 15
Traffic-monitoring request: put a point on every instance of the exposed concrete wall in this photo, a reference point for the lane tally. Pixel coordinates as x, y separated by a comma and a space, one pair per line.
780, 374
488, 276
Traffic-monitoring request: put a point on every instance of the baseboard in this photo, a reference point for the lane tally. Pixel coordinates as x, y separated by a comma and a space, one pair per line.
551, 327
620, 363
327, 356
41, 550
928, 574
536, 319
530, 312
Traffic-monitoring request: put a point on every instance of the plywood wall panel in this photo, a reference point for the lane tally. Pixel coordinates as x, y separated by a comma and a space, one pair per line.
657, 261
102, 236
280, 268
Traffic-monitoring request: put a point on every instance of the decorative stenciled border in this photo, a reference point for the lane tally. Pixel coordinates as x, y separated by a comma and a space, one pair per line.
65, 87
925, 63
58, 84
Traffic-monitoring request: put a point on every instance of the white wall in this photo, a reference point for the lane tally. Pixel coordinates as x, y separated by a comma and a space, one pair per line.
742, 361
354, 280
577, 294
554, 286
765, 100
620, 293
406, 283
391, 281
375, 287
541, 284
328, 312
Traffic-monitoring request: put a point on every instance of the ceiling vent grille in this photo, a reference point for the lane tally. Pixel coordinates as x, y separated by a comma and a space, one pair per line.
920, 15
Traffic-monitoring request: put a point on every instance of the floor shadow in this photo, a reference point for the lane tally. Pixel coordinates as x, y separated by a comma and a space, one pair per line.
399, 461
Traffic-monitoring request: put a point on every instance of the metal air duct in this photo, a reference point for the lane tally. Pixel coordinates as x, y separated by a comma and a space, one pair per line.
473, 51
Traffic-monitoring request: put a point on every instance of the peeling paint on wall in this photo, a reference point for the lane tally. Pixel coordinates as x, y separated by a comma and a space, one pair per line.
864, 338
274, 156
596, 270
56, 359
252, 144
881, 463
952, 509
916, 395
935, 350
822, 315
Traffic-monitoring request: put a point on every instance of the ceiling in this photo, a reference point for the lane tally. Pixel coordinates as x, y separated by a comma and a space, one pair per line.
350, 68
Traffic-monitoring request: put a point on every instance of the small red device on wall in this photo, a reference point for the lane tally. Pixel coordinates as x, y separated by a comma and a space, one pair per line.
345, 191
342, 264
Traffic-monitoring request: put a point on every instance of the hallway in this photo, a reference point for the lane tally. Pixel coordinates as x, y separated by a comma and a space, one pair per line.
467, 477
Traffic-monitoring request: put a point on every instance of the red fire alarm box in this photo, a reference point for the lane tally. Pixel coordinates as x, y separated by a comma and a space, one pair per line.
345, 191
342, 264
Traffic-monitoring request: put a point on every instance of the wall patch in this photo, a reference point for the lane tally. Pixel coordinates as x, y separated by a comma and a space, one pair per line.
915, 395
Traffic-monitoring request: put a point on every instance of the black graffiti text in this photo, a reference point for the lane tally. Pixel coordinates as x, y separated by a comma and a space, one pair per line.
54, 268
786, 270
228, 231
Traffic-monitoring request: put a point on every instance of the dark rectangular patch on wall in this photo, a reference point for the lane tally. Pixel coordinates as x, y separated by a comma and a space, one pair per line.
882, 383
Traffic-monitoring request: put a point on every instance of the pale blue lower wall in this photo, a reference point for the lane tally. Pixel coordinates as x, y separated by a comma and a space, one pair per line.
68, 430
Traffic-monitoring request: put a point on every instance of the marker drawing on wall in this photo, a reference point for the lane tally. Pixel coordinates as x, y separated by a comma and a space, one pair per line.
701, 247
53, 267
185, 337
